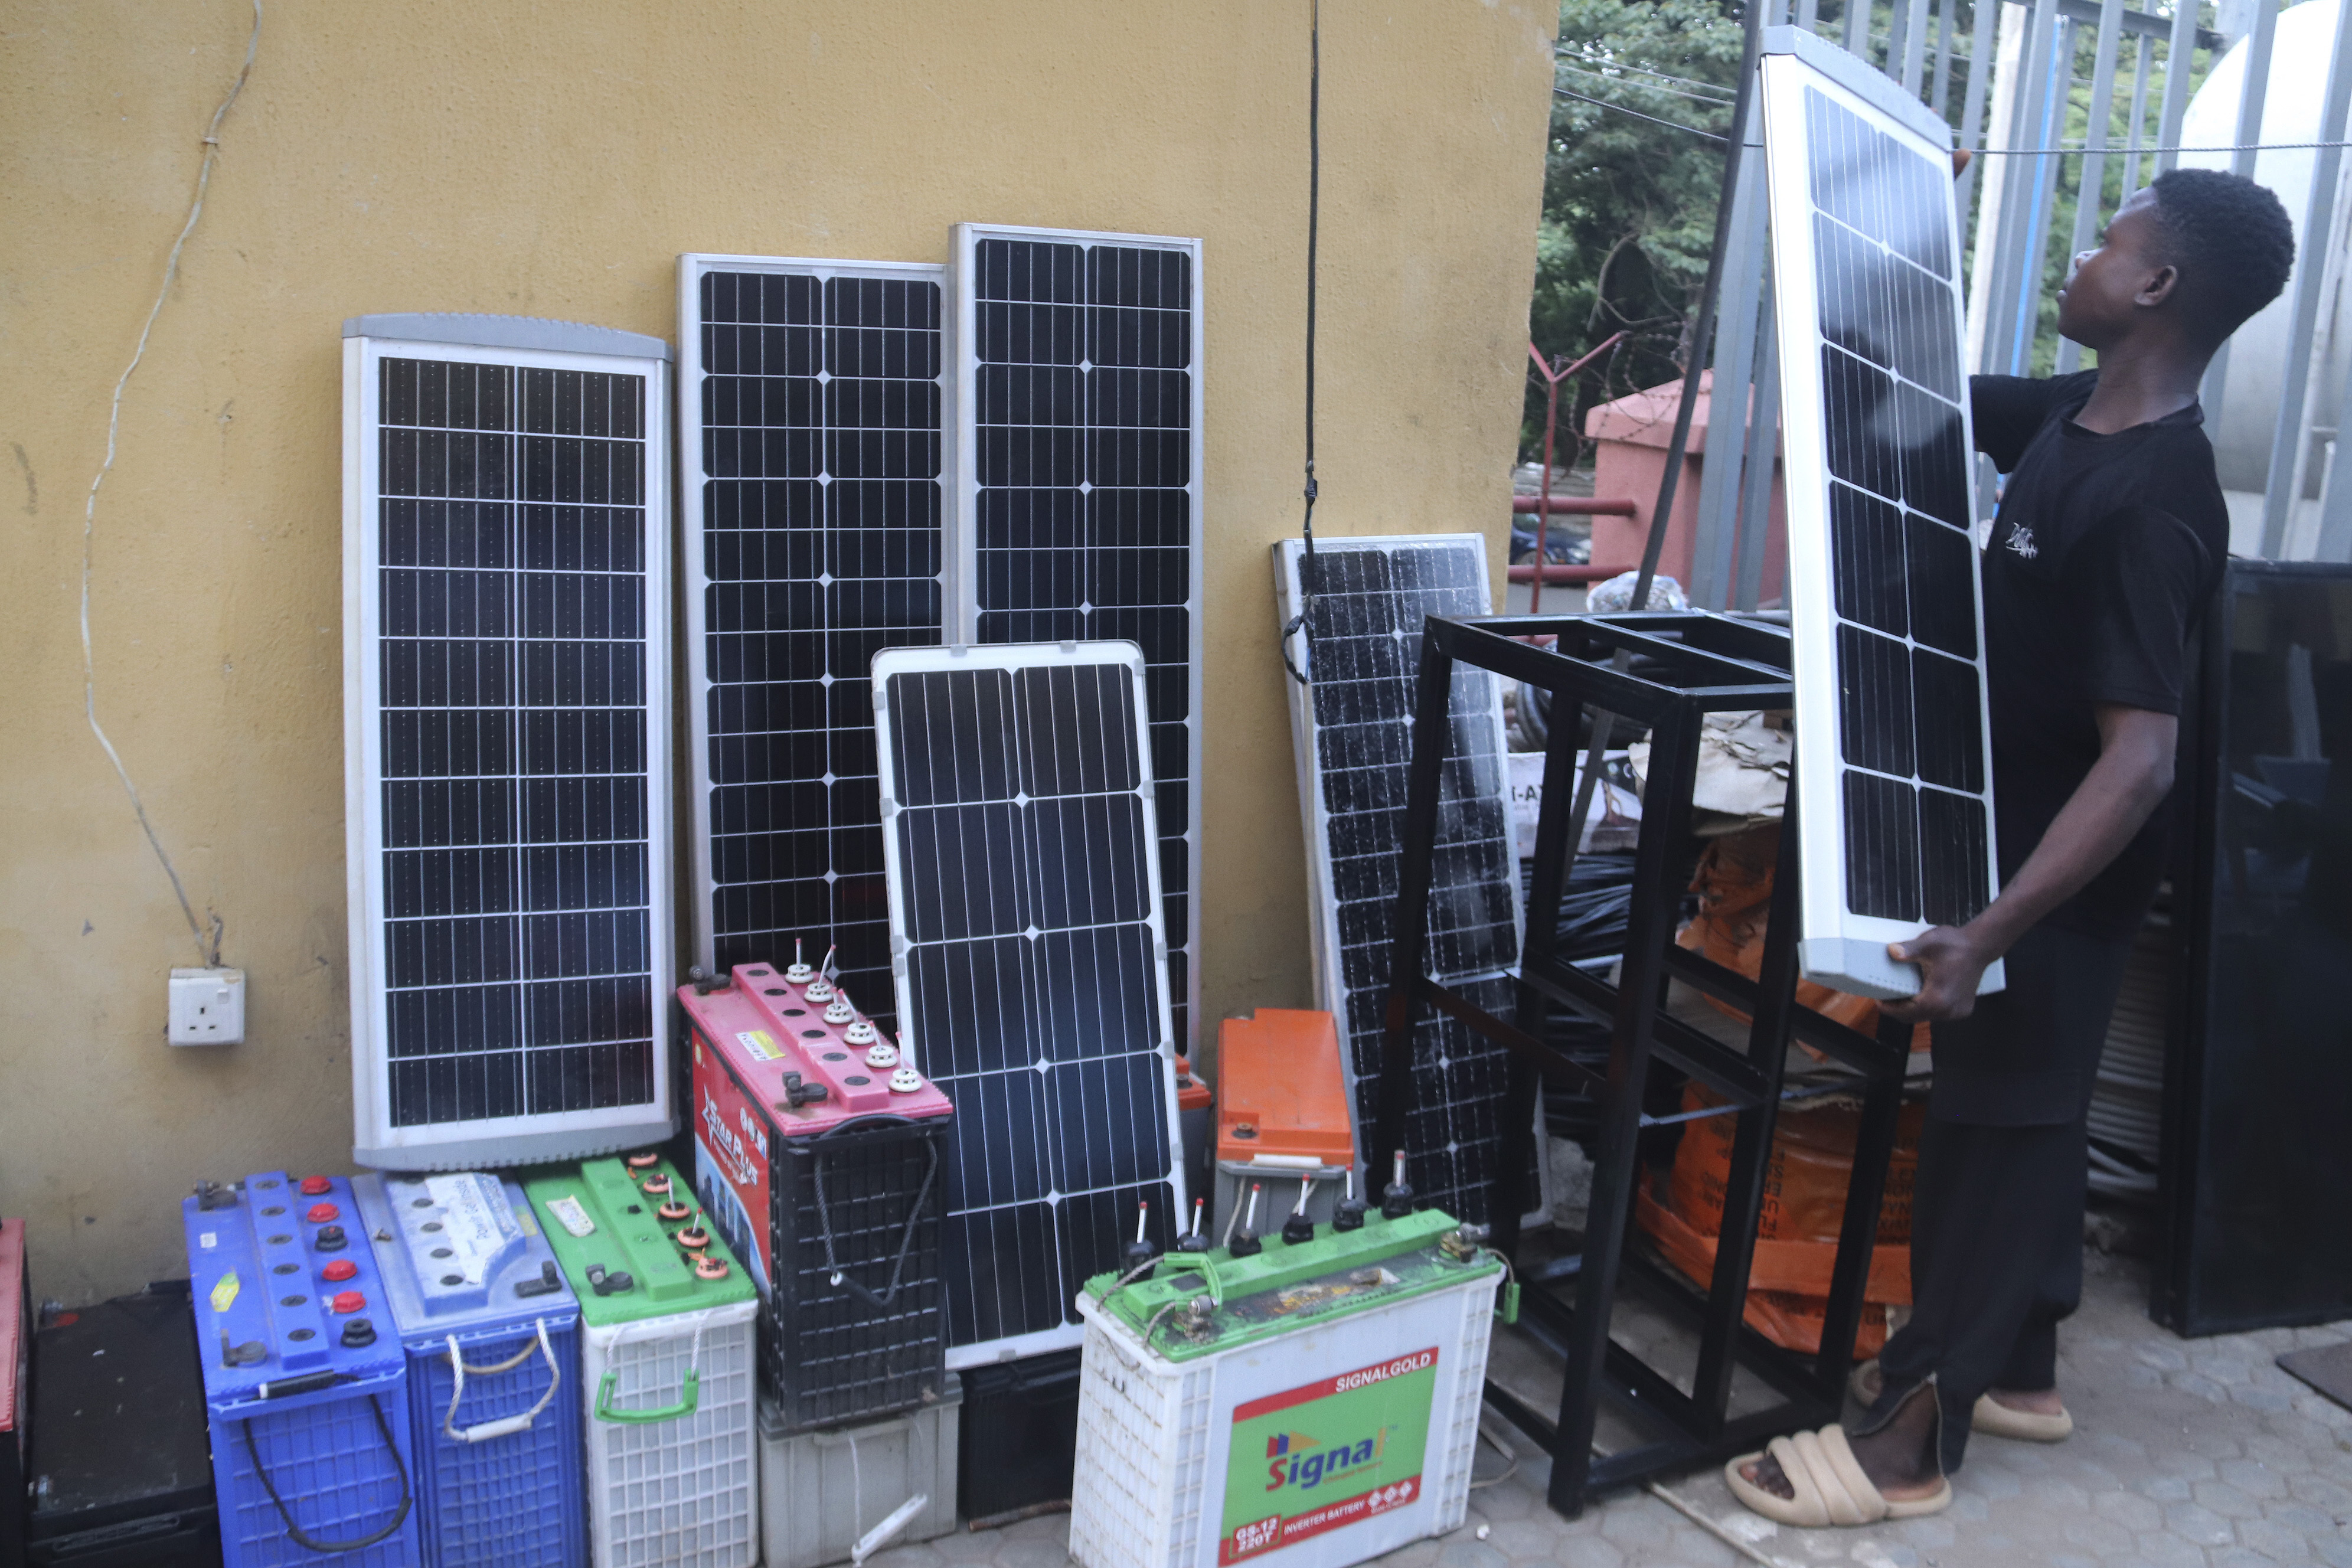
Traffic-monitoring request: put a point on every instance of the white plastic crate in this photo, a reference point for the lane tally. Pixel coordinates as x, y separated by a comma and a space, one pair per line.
1160, 1483
678, 1493
820, 1492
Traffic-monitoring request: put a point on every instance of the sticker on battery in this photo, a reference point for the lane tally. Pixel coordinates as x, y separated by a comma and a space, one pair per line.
225, 1292
571, 1216
759, 1042
476, 1226
1327, 1454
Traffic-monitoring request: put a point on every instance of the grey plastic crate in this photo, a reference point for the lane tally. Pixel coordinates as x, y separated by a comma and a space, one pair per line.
817, 1495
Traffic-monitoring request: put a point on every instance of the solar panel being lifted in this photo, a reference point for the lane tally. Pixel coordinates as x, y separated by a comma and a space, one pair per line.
1033, 979
1353, 729
810, 411
506, 625
1893, 742
1075, 507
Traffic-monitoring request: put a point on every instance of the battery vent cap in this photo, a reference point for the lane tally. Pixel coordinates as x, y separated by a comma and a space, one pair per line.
316, 1186
321, 1213
341, 1270
347, 1301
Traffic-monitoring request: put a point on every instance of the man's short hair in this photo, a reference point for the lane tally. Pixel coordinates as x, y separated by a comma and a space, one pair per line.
2232, 241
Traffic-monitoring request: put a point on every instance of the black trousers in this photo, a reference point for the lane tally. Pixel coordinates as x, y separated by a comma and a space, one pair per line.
1996, 1265
1997, 1211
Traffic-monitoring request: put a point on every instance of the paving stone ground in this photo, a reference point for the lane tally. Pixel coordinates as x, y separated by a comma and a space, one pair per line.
2187, 1454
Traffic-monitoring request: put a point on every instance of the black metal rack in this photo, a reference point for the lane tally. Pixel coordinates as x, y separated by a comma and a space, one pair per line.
1666, 671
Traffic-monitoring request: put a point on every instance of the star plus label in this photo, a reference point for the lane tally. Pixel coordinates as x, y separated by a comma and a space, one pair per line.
571, 1216
225, 1292
759, 1042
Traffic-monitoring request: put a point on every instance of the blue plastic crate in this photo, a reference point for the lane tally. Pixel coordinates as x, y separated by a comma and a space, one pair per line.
499, 1455
305, 1386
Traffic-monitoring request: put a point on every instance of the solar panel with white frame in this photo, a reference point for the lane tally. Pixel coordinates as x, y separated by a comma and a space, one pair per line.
1893, 740
1074, 509
506, 598
811, 417
1032, 968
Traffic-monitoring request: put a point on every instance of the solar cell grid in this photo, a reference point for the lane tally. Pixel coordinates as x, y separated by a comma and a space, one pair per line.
1033, 981
815, 399
1354, 726
1880, 504
506, 745
1080, 416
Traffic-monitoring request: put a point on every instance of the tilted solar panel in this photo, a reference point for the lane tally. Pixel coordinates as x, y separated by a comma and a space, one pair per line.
810, 416
506, 732
1033, 969
1353, 733
1075, 505
1892, 739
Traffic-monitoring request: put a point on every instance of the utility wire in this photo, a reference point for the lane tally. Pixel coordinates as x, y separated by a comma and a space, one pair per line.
208, 948
1723, 94
1646, 86
1303, 620
1669, 125
2119, 150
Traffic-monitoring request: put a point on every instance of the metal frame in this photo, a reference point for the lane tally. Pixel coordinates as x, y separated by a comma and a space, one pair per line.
522, 342
959, 535
1681, 668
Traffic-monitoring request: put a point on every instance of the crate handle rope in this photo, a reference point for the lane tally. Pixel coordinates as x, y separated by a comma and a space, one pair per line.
834, 1274
294, 1532
482, 1432
689, 1392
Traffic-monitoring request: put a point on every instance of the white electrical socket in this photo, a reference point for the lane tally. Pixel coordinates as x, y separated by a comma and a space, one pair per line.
207, 1007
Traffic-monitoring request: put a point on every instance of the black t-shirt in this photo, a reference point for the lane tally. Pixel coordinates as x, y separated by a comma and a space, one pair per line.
2103, 554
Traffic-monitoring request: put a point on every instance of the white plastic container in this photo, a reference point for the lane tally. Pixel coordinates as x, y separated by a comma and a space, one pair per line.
666, 1367
821, 1493
1328, 1433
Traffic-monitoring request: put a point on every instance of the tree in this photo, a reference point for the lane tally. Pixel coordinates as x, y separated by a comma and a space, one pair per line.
1629, 203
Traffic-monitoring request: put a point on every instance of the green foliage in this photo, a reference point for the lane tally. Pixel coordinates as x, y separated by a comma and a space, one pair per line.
1629, 206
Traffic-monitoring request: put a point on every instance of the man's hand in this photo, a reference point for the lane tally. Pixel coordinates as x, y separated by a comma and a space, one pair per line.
1951, 960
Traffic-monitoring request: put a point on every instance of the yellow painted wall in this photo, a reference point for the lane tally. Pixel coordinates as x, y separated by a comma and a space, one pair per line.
553, 159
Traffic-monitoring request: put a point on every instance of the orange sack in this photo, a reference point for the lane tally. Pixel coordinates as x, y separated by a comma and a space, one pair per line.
1805, 1181
1734, 884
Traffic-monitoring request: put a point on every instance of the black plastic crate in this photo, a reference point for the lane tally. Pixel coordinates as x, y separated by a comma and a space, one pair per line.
836, 1352
121, 1471
1019, 1446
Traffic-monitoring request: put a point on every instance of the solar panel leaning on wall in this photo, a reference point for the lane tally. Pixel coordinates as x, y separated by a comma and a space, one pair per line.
1353, 733
809, 418
1895, 808
1032, 969
1074, 513
506, 632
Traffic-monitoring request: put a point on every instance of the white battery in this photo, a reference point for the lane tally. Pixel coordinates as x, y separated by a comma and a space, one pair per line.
1325, 1412
883, 1483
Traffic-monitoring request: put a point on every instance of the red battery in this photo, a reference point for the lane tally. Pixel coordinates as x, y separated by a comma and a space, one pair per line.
820, 1156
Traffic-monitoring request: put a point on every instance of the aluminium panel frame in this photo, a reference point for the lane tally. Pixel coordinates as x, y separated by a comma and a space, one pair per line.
525, 343
959, 540
1838, 947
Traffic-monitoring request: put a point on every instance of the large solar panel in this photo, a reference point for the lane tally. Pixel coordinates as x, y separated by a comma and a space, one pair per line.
810, 421
1077, 499
1031, 970
1353, 732
506, 635
1892, 739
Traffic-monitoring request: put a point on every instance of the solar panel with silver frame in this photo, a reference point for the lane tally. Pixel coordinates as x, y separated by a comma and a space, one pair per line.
1352, 734
1075, 510
810, 421
505, 635
1895, 797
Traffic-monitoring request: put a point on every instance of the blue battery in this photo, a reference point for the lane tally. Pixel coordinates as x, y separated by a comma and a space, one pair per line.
305, 1386
492, 1334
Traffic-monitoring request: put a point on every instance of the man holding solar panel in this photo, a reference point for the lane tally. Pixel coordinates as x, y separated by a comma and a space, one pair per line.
2107, 546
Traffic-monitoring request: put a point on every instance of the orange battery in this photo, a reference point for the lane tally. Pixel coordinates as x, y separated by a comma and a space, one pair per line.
1283, 1119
